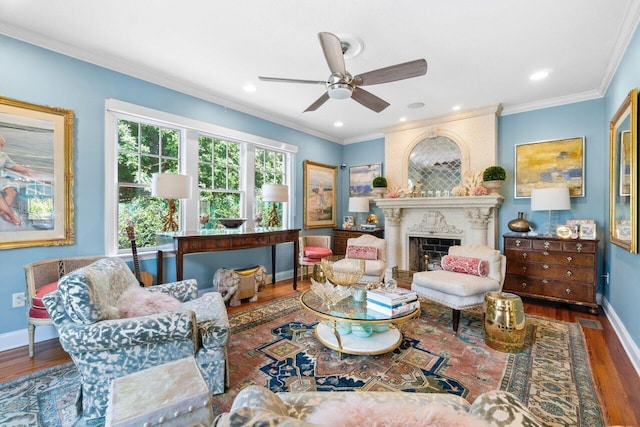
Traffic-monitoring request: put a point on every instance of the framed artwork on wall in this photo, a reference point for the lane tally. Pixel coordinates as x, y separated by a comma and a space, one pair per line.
555, 163
319, 196
361, 177
36, 175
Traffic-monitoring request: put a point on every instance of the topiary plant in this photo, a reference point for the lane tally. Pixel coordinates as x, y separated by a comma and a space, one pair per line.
494, 173
379, 181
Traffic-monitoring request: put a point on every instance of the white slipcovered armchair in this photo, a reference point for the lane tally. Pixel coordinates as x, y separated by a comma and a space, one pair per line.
374, 252
469, 272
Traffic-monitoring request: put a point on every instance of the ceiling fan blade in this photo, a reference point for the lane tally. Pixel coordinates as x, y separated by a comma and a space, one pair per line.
313, 107
392, 73
333, 53
369, 100
282, 80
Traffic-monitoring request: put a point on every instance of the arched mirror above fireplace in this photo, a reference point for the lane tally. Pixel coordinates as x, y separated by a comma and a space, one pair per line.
435, 166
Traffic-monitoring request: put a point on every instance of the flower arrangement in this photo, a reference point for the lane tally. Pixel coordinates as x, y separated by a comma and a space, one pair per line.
479, 190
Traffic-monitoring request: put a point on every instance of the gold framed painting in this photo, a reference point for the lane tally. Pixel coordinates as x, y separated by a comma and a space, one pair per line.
554, 163
36, 175
319, 196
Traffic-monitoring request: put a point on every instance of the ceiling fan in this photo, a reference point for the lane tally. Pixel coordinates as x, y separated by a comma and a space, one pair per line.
341, 85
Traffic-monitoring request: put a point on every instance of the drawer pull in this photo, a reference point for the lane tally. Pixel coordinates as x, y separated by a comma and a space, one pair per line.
518, 243
523, 284
569, 273
524, 268
545, 253
579, 247
545, 266
545, 281
546, 244
567, 291
569, 258
525, 255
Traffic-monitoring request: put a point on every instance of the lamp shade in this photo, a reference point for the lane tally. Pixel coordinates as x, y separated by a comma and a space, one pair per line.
275, 193
550, 199
358, 204
171, 186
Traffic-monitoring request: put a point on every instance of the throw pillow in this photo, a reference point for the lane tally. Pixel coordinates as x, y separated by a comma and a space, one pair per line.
354, 411
137, 301
461, 264
36, 301
362, 252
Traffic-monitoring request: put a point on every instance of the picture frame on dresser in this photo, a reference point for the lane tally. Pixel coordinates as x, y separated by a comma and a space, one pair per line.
36, 180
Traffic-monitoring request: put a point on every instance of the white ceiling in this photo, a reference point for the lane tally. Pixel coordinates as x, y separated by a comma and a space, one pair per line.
479, 53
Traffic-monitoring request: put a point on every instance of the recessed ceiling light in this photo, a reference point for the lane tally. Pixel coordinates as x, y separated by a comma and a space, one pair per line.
415, 105
456, 108
338, 124
539, 75
249, 87
403, 119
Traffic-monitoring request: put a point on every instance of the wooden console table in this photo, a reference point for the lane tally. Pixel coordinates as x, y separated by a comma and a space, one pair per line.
225, 240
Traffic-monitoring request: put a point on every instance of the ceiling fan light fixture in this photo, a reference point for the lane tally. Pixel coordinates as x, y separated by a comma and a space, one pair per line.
340, 91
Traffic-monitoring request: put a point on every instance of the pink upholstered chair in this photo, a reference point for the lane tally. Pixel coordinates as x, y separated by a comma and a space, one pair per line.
469, 272
311, 250
41, 277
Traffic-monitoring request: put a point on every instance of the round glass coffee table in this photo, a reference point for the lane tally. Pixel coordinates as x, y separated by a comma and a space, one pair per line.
349, 327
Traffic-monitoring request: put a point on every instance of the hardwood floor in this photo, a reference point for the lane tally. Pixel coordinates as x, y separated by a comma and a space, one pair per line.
615, 377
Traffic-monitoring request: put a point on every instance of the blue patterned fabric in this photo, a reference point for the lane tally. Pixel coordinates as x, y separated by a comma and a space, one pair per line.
104, 347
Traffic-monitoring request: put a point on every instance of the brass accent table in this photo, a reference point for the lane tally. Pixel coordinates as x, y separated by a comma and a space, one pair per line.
386, 334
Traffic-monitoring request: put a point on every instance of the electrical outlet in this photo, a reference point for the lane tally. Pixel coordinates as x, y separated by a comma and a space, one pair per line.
606, 278
19, 299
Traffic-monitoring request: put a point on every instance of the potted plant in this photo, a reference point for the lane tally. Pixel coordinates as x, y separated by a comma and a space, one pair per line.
493, 177
379, 184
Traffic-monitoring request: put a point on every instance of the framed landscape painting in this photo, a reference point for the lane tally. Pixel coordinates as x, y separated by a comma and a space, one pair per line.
36, 175
556, 163
361, 177
319, 195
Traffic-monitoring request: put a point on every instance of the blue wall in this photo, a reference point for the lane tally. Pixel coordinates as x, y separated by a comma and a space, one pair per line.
43, 77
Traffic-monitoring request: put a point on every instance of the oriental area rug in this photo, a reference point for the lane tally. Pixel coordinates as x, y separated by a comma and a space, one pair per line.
273, 345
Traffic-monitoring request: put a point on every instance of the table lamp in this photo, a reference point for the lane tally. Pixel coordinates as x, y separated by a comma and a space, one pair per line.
550, 199
359, 205
170, 186
274, 193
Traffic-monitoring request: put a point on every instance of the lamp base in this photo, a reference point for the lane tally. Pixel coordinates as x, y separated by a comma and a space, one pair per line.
168, 221
272, 218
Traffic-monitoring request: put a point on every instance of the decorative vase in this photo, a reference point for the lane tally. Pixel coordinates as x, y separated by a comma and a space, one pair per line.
493, 186
519, 224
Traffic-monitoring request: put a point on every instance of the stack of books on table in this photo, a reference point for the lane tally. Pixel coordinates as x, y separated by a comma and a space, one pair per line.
392, 303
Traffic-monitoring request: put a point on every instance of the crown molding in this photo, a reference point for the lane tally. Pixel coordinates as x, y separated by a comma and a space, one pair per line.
552, 102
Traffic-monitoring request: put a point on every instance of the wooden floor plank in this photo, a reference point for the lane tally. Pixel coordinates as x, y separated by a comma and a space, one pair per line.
614, 375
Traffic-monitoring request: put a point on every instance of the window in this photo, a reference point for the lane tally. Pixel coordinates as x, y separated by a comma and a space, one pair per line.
226, 166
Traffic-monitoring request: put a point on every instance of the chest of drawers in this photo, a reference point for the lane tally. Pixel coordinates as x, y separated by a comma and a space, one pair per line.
340, 237
552, 268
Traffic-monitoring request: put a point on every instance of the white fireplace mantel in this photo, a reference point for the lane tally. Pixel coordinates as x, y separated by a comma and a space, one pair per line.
472, 219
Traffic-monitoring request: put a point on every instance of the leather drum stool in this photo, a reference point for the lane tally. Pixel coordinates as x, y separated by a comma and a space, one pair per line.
504, 321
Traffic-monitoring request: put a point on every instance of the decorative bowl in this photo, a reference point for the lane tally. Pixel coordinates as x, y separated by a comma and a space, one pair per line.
232, 222
342, 271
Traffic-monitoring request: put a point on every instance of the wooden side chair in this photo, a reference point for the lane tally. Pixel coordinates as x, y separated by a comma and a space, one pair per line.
41, 278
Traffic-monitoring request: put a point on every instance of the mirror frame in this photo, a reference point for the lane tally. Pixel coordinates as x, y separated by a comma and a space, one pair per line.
623, 200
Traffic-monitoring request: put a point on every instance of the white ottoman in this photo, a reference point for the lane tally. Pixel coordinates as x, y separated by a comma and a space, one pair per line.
173, 394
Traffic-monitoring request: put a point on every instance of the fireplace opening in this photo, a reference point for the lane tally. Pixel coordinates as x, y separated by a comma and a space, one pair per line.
433, 247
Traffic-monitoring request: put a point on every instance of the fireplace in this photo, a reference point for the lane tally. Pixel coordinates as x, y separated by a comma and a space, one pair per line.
425, 253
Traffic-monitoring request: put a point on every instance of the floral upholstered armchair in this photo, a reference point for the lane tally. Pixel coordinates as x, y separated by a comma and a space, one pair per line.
104, 346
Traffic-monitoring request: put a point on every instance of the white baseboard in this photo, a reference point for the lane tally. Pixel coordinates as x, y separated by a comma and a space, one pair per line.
20, 338
628, 344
